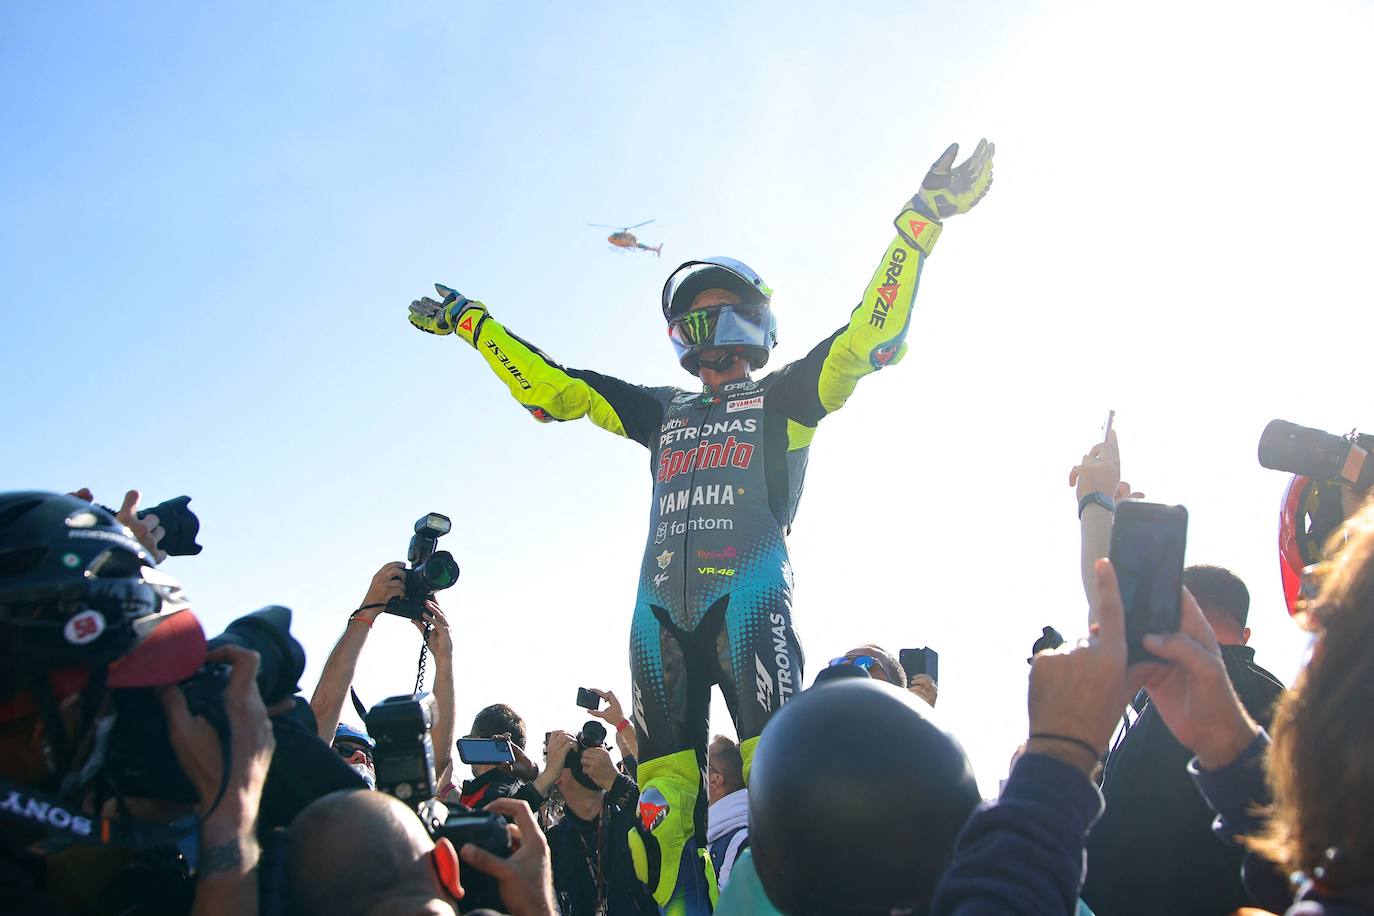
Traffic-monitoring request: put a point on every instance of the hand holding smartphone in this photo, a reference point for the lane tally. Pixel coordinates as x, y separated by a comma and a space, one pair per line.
485, 750
924, 660
1147, 548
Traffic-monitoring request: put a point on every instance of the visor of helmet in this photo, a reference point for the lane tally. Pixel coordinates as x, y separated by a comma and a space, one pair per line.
720, 327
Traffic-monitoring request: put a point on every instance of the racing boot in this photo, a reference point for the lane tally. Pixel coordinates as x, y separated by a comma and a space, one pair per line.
666, 852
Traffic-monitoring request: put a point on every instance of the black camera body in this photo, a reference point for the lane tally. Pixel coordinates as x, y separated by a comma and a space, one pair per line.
141, 760
1323, 456
485, 831
404, 756
593, 734
429, 571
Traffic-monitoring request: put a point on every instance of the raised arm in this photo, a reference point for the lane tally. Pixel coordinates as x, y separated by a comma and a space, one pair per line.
328, 699
875, 337
550, 392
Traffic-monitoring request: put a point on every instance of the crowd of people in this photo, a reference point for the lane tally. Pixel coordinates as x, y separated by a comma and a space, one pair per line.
147, 769
1190, 783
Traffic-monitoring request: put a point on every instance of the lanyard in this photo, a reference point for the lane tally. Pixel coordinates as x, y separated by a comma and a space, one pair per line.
597, 872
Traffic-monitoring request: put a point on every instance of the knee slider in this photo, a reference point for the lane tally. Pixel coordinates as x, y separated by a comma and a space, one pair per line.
667, 800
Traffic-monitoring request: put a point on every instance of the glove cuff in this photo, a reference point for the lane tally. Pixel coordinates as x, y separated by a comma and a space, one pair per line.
918, 229
467, 323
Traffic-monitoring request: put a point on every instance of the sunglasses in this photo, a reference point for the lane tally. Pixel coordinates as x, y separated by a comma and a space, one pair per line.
866, 662
348, 749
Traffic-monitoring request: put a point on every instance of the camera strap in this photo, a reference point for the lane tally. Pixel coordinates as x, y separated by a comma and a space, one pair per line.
420, 668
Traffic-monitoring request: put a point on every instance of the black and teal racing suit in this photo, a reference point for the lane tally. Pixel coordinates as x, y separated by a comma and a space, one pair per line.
714, 603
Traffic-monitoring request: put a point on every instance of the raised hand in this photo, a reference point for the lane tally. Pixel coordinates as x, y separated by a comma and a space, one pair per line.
1076, 695
525, 877
387, 583
1193, 693
949, 190
439, 317
612, 714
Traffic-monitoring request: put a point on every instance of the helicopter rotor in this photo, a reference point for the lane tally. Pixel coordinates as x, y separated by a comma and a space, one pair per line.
620, 228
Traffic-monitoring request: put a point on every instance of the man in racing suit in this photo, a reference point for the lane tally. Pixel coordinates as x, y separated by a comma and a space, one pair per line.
715, 583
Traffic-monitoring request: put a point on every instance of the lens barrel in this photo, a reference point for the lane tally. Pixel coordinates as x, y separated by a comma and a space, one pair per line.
281, 659
438, 572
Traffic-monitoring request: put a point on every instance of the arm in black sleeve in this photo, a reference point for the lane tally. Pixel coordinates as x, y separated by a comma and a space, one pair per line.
1023, 854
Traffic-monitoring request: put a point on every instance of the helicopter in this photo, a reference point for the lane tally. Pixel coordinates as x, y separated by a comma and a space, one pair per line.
624, 239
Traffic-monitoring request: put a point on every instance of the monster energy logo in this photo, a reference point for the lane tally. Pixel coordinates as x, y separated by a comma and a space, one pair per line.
695, 326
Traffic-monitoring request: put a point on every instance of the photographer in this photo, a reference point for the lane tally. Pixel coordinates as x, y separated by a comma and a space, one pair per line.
327, 702
491, 781
401, 869
83, 615
593, 872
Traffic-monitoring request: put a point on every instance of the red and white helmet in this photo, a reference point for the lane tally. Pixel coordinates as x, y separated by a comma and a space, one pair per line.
1310, 514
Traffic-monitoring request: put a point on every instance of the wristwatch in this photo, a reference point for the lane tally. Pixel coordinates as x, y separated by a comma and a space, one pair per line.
1096, 497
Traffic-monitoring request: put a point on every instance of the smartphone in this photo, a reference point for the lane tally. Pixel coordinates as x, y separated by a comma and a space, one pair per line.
1147, 547
920, 661
485, 750
1107, 427
588, 699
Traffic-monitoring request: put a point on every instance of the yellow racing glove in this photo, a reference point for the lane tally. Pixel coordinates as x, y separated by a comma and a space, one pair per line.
947, 190
455, 314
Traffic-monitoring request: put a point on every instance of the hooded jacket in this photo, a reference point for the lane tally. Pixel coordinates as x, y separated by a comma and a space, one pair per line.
727, 832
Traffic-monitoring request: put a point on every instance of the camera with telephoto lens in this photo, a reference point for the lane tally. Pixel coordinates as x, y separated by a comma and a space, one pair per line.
430, 570
593, 734
404, 756
1322, 456
141, 759
179, 526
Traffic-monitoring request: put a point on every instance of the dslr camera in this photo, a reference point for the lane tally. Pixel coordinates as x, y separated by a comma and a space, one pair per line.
429, 571
593, 734
141, 759
404, 759
1322, 456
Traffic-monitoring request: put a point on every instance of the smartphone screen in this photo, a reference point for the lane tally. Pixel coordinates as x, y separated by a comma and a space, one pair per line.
485, 750
920, 661
1148, 540
588, 699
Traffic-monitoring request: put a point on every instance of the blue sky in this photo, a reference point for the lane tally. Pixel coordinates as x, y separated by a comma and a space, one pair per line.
214, 217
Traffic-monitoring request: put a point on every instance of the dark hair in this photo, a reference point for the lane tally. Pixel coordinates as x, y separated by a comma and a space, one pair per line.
500, 719
725, 758
1218, 591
